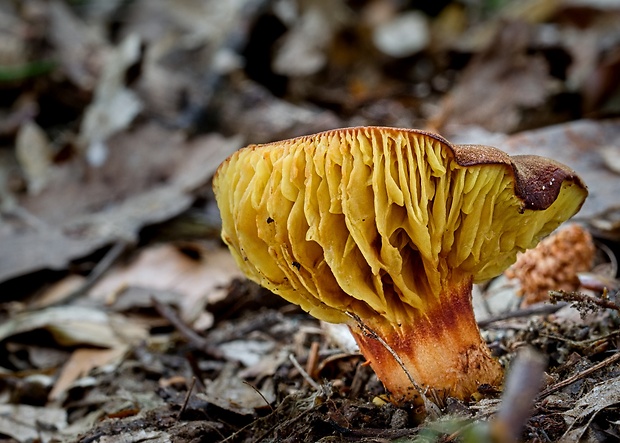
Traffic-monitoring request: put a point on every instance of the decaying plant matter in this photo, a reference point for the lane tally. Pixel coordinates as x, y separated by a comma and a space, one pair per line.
553, 264
392, 227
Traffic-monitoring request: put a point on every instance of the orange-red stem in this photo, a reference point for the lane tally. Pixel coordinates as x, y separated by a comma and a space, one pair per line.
441, 349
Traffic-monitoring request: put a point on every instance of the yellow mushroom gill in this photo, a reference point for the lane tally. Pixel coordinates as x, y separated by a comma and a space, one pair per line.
392, 227
373, 219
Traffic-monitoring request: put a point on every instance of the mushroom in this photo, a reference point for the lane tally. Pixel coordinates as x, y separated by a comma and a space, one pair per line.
386, 230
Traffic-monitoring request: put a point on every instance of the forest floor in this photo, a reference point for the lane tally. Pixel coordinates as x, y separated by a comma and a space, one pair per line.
123, 316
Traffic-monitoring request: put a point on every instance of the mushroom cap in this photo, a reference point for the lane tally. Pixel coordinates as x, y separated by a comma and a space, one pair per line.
375, 220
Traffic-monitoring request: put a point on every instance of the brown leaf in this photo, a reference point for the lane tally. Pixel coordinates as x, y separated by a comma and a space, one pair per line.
601, 397
75, 325
150, 178
497, 85
166, 268
78, 46
114, 106
81, 362
31, 423
34, 154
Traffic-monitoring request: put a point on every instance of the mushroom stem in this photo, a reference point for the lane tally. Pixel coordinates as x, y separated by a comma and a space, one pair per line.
442, 350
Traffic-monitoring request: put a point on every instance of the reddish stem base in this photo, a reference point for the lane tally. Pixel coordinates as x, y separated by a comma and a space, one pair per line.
442, 351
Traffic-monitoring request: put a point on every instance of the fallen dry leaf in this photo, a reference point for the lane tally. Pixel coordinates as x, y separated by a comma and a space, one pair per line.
272, 118
611, 157
76, 325
39, 357
166, 268
156, 172
57, 292
32, 423
229, 392
114, 106
77, 45
36, 250
197, 35
403, 35
604, 395
81, 362
302, 49
498, 85
33, 151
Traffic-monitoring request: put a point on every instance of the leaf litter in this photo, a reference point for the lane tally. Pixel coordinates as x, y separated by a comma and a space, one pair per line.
122, 318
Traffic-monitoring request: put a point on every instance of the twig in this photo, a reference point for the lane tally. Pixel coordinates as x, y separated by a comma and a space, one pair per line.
582, 343
272, 428
313, 359
522, 386
584, 300
263, 419
367, 330
430, 407
9, 206
259, 393
198, 341
374, 434
562, 384
305, 375
187, 396
97, 272
526, 312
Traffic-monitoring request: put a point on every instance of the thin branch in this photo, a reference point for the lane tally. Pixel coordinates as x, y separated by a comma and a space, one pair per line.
259, 393
522, 386
582, 343
374, 433
97, 272
562, 384
430, 407
313, 359
197, 340
305, 375
368, 331
187, 396
238, 432
584, 300
545, 309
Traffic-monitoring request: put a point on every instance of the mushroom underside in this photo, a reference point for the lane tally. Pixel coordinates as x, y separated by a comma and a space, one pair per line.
392, 226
